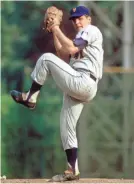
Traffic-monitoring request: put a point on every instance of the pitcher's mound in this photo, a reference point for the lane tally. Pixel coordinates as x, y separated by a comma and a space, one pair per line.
82, 180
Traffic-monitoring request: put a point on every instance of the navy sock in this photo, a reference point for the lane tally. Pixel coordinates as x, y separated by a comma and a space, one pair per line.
71, 156
34, 88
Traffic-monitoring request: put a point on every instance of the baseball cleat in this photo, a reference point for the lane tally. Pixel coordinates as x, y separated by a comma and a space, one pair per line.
18, 97
67, 176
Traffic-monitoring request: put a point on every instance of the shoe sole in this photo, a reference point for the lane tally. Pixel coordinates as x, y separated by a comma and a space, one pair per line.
22, 102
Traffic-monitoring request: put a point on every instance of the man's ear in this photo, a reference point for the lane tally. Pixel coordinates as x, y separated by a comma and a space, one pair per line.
89, 19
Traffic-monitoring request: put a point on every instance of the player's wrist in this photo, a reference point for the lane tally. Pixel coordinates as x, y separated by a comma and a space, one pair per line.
54, 28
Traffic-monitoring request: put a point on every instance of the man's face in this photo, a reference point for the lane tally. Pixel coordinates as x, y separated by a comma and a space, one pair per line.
81, 22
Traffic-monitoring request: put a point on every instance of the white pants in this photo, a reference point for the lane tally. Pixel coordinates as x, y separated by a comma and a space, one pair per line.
77, 87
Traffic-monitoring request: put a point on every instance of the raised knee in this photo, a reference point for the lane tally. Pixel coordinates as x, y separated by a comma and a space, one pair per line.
48, 55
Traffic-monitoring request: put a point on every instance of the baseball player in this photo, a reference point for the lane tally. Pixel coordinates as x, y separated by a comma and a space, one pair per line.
78, 79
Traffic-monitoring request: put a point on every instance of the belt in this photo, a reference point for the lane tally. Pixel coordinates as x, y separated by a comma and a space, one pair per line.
93, 77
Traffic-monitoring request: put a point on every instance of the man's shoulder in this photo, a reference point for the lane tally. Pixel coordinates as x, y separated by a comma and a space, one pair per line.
89, 32
93, 28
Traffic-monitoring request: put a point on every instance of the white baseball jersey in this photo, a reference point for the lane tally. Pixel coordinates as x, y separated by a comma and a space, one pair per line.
91, 56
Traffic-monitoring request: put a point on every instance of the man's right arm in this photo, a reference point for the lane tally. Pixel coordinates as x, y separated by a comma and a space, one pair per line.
61, 52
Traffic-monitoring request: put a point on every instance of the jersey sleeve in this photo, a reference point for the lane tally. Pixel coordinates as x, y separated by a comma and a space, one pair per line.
80, 43
89, 35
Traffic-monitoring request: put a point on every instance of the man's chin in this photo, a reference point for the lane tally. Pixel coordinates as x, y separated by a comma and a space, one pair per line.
79, 28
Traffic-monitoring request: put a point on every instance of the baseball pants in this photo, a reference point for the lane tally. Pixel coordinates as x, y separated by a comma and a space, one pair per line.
77, 87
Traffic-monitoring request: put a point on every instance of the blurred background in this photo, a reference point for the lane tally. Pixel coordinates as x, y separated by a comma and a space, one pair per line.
30, 140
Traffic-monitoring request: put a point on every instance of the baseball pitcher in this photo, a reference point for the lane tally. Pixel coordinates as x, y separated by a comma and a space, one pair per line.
78, 79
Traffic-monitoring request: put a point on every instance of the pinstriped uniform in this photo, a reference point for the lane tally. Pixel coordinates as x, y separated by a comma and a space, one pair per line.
74, 80
92, 59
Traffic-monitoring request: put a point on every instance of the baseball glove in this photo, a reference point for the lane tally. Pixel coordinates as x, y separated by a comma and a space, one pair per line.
53, 16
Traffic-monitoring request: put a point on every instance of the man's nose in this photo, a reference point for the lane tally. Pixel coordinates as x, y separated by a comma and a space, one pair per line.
76, 21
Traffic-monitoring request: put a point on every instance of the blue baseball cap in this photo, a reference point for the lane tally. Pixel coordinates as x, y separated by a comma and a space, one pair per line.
79, 11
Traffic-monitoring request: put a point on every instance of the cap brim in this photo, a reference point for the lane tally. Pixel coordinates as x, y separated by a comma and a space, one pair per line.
76, 15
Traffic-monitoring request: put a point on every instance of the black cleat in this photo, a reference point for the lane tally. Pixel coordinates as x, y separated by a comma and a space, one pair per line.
18, 97
67, 176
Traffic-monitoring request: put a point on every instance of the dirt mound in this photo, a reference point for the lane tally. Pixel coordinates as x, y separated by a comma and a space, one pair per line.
83, 180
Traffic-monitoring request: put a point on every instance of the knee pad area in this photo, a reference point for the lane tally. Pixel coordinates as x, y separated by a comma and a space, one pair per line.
48, 56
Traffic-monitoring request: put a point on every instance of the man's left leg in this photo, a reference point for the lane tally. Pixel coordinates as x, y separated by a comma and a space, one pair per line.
62, 73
